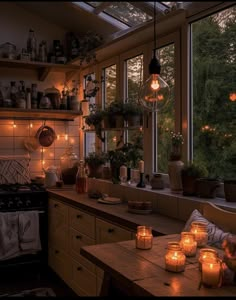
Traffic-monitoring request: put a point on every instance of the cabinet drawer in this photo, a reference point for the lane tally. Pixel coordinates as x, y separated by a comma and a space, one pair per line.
83, 281
108, 233
83, 222
58, 225
58, 261
76, 241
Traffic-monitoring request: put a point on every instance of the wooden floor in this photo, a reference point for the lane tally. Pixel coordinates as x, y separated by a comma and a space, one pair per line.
15, 283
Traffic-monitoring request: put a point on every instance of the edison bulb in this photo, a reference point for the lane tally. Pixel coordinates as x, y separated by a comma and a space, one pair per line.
154, 93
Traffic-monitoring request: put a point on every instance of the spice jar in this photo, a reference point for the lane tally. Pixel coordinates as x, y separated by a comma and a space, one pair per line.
200, 231
157, 182
174, 258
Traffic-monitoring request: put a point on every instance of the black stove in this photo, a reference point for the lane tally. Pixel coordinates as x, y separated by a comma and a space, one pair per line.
15, 197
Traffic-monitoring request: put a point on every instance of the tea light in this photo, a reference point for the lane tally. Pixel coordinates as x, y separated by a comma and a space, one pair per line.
188, 243
207, 254
211, 273
200, 231
144, 237
174, 258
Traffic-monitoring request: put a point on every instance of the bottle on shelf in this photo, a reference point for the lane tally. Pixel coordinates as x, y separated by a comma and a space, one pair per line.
32, 45
81, 182
21, 96
28, 98
34, 96
13, 93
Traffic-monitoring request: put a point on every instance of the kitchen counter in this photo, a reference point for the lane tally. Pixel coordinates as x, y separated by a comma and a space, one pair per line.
118, 213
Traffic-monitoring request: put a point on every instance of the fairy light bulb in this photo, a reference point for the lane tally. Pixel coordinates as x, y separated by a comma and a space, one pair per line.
154, 83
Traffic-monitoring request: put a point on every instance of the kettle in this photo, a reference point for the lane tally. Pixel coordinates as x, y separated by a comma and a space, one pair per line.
50, 176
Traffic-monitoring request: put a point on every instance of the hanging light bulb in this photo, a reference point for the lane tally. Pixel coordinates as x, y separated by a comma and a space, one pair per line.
154, 93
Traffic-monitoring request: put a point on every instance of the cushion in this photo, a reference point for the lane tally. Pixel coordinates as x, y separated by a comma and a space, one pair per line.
215, 234
14, 169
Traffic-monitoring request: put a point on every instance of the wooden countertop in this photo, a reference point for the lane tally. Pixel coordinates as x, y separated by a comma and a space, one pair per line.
142, 272
118, 213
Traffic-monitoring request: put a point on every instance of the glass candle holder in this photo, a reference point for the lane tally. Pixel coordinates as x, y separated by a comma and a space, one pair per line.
188, 243
211, 273
174, 258
207, 254
200, 231
144, 237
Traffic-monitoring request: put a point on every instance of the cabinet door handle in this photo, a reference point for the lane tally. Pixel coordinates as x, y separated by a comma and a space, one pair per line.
110, 230
79, 216
79, 237
56, 251
79, 268
56, 205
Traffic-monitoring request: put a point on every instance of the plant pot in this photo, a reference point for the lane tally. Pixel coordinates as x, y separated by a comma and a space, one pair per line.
206, 187
174, 170
230, 190
133, 120
188, 184
95, 171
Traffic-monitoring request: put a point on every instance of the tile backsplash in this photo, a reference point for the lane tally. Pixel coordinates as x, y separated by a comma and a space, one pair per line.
13, 133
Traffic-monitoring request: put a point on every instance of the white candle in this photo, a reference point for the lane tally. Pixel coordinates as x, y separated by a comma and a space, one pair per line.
211, 271
144, 237
141, 166
123, 171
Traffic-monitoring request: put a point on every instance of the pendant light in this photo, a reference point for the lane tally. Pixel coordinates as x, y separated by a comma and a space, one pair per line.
154, 93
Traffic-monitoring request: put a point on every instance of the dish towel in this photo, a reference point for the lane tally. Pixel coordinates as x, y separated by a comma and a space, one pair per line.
9, 243
29, 236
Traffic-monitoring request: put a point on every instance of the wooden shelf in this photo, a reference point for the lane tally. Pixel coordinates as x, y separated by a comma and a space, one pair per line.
43, 69
38, 114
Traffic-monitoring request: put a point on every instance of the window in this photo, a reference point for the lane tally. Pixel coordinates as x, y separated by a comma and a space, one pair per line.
109, 75
164, 120
133, 81
213, 64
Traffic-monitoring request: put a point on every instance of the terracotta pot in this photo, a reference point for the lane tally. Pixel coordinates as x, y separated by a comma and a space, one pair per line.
174, 170
230, 190
188, 184
95, 171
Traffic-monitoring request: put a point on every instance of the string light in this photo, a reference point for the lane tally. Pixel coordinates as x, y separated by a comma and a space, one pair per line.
14, 125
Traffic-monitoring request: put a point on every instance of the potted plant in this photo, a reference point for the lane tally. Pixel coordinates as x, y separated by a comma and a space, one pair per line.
175, 165
190, 173
133, 113
95, 162
206, 187
230, 190
116, 112
117, 158
94, 121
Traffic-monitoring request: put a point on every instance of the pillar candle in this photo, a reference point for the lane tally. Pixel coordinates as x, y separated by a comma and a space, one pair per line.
211, 272
123, 171
141, 166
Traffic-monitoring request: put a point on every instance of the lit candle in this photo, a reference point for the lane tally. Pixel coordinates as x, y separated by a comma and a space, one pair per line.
207, 254
188, 243
200, 231
123, 171
141, 166
174, 258
211, 272
144, 237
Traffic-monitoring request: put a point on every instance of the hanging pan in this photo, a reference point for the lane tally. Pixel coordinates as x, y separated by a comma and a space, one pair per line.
45, 136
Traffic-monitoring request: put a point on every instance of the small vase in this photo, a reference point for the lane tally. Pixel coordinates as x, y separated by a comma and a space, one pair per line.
174, 171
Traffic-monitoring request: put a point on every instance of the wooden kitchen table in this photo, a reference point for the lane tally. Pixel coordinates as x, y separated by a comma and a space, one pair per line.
134, 272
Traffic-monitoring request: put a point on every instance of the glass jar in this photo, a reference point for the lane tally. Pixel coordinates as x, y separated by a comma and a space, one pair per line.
81, 182
69, 165
174, 258
212, 273
206, 254
200, 231
144, 237
188, 243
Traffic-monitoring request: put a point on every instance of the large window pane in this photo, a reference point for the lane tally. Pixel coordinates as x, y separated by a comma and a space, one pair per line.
214, 92
134, 79
164, 120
